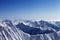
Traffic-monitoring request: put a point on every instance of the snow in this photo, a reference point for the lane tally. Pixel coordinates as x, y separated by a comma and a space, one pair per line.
11, 32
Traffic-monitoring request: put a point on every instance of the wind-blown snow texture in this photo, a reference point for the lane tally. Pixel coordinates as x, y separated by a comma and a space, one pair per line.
29, 30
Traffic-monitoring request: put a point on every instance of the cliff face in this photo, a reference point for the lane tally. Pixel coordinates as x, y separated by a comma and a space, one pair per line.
41, 30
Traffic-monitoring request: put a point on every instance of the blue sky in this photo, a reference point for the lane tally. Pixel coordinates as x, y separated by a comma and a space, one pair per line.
30, 9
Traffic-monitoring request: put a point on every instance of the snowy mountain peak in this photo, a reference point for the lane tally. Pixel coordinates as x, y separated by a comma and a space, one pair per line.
29, 30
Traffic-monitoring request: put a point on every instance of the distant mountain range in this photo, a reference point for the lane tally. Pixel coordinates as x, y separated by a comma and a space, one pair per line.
29, 30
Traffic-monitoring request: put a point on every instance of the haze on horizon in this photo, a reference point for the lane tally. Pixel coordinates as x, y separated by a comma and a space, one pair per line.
30, 9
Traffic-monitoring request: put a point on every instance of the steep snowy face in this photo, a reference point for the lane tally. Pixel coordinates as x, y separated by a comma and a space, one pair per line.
28, 30
10, 32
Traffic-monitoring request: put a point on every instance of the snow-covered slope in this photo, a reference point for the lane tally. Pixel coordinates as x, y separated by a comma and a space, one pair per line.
29, 30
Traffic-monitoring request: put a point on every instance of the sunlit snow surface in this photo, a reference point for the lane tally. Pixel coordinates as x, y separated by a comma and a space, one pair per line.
29, 30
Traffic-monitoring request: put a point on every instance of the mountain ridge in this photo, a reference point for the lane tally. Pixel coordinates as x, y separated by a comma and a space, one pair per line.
28, 30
